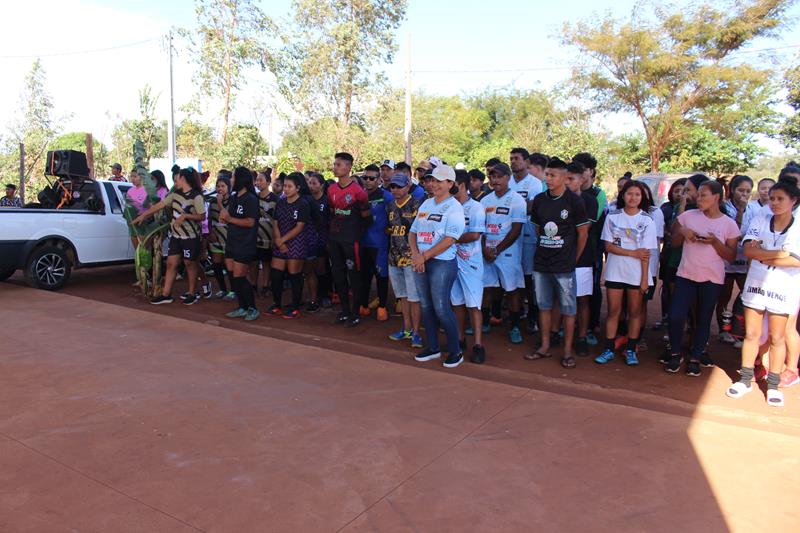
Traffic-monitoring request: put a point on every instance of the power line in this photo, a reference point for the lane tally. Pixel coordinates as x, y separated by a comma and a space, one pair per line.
481, 71
94, 51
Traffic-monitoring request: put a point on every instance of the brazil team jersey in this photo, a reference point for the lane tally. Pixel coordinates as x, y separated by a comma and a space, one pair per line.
501, 213
474, 222
436, 221
528, 187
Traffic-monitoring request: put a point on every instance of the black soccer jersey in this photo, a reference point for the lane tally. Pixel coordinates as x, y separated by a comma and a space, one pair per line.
557, 219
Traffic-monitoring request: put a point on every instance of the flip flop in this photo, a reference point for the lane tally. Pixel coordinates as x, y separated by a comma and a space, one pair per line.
537, 355
568, 361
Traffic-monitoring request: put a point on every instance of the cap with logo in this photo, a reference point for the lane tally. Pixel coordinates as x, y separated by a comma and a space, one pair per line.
388, 163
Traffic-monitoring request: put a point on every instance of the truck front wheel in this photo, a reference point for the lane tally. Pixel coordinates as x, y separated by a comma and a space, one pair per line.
48, 268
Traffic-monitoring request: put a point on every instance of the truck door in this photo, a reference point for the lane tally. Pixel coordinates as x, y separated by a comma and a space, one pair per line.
117, 242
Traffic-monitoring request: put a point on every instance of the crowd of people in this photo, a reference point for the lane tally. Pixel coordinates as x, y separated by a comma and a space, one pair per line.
529, 247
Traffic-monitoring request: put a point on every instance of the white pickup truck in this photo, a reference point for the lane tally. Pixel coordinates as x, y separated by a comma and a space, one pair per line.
48, 243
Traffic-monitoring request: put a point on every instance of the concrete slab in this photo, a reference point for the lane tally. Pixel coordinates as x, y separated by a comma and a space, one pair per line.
117, 416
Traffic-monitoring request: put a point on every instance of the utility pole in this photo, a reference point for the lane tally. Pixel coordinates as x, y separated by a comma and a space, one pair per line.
407, 126
171, 125
22, 172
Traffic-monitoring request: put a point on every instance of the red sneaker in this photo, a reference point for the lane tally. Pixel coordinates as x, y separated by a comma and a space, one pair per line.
789, 378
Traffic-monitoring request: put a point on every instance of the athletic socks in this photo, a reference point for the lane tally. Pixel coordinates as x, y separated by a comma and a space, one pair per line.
324, 284
497, 308
297, 289
230, 280
747, 373
486, 312
277, 286
632, 344
236, 285
219, 275
610, 344
248, 294
773, 380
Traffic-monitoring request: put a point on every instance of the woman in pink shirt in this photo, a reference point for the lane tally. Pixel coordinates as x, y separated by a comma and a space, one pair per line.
709, 238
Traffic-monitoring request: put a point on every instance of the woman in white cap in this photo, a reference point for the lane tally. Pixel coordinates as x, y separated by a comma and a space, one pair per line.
433, 236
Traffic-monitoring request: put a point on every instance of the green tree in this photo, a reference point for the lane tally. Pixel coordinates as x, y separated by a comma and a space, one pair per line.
227, 40
245, 147
790, 132
702, 150
678, 71
330, 53
151, 132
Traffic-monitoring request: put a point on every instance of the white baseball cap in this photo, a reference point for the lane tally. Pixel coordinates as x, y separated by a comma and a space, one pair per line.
443, 173
388, 163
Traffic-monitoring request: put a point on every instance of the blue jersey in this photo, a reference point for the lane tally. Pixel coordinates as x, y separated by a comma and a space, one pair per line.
436, 221
417, 192
501, 213
376, 236
470, 254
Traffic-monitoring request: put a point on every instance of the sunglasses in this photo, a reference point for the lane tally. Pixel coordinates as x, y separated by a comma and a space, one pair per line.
370, 178
393, 186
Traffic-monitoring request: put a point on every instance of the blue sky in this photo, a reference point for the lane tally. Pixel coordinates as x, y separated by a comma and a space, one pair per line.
517, 38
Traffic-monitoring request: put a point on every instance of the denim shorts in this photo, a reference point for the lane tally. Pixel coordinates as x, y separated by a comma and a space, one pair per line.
563, 285
403, 283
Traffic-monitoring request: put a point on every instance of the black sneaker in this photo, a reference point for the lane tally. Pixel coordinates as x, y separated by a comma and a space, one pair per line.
706, 361
478, 354
353, 322
453, 360
531, 328
207, 292
693, 368
555, 338
674, 363
158, 300
581, 347
342, 318
427, 355
312, 307
189, 298
666, 355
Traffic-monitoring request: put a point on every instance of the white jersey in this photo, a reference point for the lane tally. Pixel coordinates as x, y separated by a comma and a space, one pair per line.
658, 220
528, 187
630, 233
501, 213
753, 209
775, 289
475, 222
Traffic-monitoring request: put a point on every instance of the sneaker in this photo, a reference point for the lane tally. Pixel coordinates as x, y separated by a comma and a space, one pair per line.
630, 358
738, 344
789, 378
469, 331
252, 314
374, 304
555, 338
363, 311
427, 355
237, 313
674, 363
312, 307
158, 300
706, 361
274, 311
400, 335
774, 398
291, 312
486, 328
666, 355
581, 347
591, 340
189, 299
515, 336
604, 357
726, 338
416, 340
207, 293
642, 347
230, 296
478, 354
353, 322
382, 315
178, 276
342, 318
219, 295
693, 368
494, 321
532, 328
453, 361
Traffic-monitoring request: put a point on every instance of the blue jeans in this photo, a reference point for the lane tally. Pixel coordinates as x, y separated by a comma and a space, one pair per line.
433, 287
685, 293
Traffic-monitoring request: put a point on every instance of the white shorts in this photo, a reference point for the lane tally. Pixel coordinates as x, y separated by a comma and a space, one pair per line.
528, 253
505, 272
766, 297
584, 278
467, 289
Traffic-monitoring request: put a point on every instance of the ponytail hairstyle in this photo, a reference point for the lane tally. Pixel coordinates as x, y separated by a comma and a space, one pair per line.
243, 179
191, 177
715, 187
737, 180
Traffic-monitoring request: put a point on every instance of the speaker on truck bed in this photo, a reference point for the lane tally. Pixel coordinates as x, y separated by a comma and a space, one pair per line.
66, 163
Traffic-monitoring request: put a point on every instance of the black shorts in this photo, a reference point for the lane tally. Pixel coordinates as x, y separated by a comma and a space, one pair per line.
264, 254
188, 249
239, 256
620, 285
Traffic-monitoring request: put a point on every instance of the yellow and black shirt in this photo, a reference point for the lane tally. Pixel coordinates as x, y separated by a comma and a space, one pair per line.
266, 213
401, 216
188, 203
220, 229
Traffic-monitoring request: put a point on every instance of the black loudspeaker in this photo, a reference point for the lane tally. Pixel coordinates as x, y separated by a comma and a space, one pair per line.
66, 163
